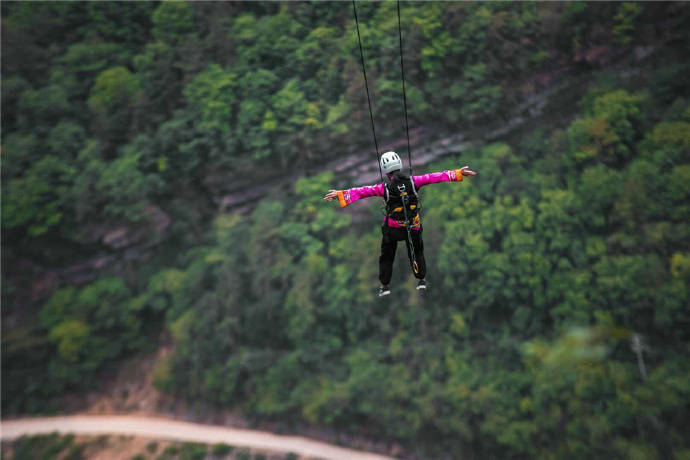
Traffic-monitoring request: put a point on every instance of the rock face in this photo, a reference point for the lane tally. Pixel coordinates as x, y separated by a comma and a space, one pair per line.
149, 234
119, 238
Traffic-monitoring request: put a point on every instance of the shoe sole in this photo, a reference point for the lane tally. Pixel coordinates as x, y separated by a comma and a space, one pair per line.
383, 294
421, 288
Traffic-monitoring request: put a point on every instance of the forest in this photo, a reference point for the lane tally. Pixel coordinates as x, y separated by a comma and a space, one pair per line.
557, 322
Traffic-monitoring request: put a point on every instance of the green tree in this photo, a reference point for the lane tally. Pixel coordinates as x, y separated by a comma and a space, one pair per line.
169, 61
71, 337
77, 69
42, 107
608, 133
173, 21
39, 199
113, 100
626, 17
90, 327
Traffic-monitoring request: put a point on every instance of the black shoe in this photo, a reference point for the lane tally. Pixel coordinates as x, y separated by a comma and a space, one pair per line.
383, 290
421, 285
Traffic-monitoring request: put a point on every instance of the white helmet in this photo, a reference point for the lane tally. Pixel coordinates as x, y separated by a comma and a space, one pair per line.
390, 161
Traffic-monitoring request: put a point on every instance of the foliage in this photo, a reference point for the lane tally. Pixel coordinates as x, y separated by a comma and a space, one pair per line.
38, 200
48, 447
573, 237
243, 454
152, 446
192, 451
90, 327
221, 449
539, 266
628, 13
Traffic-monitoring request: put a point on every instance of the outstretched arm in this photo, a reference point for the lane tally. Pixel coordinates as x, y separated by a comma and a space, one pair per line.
348, 196
449, 175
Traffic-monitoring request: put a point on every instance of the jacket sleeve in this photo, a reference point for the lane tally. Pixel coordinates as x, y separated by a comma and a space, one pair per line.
449, 175
348, 196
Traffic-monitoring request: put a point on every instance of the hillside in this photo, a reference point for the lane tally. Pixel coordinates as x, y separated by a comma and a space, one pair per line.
162, 179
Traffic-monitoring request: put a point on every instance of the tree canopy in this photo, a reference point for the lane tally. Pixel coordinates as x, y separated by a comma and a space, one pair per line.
572, 240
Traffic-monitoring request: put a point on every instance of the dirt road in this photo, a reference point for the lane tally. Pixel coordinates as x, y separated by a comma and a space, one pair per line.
161, 428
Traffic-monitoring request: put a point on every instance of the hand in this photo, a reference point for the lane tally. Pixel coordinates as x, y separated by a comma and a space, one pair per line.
331, 195
467, 172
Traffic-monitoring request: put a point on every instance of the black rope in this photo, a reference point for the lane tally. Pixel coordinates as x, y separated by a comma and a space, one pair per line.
366, 84
408, 225
402, 72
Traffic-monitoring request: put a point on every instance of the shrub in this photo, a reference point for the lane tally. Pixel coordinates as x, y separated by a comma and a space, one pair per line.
45, 447
221, 449
192, 451
243, 455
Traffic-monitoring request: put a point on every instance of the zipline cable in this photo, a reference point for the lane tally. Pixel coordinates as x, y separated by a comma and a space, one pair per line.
402, 73
366, 84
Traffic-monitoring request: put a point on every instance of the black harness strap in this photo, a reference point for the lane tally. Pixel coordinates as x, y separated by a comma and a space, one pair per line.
408, 226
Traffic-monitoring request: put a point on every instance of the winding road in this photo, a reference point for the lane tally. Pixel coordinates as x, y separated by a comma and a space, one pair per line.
161, 428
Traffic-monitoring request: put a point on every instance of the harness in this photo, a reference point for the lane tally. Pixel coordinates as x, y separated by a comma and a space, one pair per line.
402, 205
402, 202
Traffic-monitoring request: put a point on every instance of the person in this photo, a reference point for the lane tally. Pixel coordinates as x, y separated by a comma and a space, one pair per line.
402, 221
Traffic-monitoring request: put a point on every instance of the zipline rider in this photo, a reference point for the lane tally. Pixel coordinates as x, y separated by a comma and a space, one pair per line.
402, 221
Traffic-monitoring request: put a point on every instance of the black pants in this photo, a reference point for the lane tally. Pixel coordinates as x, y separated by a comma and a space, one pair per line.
389, 243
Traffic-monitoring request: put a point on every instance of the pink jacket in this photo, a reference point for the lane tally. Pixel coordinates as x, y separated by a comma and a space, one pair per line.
346, 197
